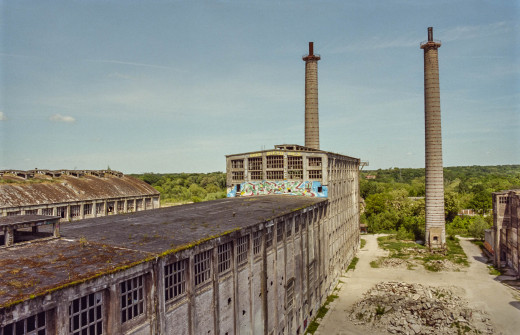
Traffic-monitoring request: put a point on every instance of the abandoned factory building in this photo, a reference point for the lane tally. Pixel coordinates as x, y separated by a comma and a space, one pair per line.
73, 194
506, 229
247, 265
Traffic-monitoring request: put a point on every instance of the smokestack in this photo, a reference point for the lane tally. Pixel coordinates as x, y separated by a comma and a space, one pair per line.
435, 234
312, 123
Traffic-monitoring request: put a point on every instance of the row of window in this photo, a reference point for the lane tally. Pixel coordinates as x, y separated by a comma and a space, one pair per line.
276, 175
276, 162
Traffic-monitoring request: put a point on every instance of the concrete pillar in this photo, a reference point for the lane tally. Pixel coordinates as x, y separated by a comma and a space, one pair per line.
312, 125
435, 224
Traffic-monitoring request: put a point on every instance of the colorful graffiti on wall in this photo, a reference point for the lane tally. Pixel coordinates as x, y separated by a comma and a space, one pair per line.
290, 187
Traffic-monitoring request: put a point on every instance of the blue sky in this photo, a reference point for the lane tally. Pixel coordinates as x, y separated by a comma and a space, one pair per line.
174, 86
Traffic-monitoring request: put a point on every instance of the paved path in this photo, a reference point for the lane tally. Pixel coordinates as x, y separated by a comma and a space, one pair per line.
475, 284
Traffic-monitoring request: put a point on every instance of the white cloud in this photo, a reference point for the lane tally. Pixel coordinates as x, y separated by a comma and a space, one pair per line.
2, 116
62, 118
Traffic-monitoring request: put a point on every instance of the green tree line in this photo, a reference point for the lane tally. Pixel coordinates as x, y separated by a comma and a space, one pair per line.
187, 187
394, 200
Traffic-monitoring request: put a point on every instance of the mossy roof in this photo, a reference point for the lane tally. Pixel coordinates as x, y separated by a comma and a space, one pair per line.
93, 247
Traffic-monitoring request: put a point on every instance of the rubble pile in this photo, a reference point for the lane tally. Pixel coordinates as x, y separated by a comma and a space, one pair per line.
401, 308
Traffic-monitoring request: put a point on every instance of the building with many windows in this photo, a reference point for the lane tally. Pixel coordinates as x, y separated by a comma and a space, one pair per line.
73, 194
247, 265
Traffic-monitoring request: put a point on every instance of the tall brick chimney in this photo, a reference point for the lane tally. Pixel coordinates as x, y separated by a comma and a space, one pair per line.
435, 235
312, 122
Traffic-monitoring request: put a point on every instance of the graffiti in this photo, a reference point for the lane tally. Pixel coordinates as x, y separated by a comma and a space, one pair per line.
289, 187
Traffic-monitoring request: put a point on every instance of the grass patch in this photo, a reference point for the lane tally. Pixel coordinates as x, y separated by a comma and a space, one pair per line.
374, 264
494, 271
363, 243
411, 251
313, 326
352, 265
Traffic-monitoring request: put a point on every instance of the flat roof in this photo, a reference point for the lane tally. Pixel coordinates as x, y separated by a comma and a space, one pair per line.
300, 148
15, 220
93, 247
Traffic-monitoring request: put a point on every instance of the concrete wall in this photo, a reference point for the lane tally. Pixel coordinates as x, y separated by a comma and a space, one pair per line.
506, 227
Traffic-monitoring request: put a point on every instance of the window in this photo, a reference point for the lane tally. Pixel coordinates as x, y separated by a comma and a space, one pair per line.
100, 208
47, 211
120, 206
295, 174
275, 175
87, 209
132, 298
296, 224
269, 238
311, 274
14, 213
148, 203
275, 162
242, 249
295, 163
75, 211
139, 204
257, 239
314, 174
175, 279
224, 257
279, 232
290, 293
86, 315
257, 175
35, 324
314, 161
237, 164
130, 205
504, 199
255, 163
237, 175
202, 267
31, 212
289, 229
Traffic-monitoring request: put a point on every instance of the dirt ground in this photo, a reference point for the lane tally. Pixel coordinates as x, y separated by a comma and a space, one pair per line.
482, 290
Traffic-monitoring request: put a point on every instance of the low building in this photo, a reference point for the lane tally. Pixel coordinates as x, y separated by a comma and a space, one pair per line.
73, 194
506, 229
250, 265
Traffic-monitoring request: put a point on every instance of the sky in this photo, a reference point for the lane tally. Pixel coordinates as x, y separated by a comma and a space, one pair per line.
174, 86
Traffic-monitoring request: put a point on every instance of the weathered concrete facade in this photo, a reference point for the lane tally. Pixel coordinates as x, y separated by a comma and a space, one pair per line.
312, 120
256, 265
506, 229
73, 194
435, 235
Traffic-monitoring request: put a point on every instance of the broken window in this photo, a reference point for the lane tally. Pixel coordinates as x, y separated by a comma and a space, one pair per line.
202, 264
100, 208
132, 298
238, 175
295, 163
175, 279
314, 161
269, 238
75, 211
275, 175
61, 211
139, 204
290, 294
86, 315
257, 239
295, 174
87, 209
31, 212
242, 249
224, 257
13, 213
257, 175
130, 205
255, 163
48, 211
275, 162
148, 203
289, 229
34, 324
314, 174
504, 199
237, 163
121, 206
279, 232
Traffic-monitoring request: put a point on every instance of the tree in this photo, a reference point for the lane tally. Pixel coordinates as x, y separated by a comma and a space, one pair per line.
478, 227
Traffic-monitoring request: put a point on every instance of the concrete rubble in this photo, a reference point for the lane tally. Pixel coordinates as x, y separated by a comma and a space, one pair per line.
401, 308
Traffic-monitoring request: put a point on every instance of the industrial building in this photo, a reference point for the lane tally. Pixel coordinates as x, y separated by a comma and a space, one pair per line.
73, 194
261, 261
506, 230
